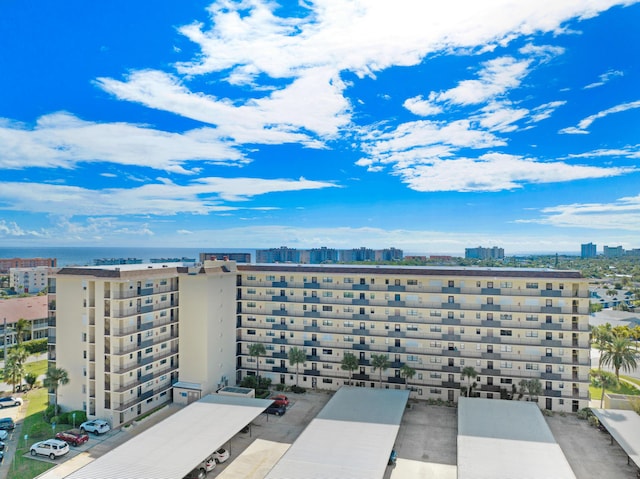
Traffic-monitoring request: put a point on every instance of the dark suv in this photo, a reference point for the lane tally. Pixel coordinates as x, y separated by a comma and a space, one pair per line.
7, 423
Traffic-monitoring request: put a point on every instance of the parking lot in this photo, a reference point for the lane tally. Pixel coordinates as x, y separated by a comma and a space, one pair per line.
426, 442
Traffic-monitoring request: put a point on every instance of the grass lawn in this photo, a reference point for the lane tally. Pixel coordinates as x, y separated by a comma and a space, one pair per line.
623, 388
34, 426
37, 367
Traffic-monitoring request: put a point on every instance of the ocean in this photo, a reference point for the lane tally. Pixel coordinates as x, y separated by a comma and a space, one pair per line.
86, 255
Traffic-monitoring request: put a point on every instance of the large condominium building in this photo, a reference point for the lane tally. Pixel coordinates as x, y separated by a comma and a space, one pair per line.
133, 335
29, 280
7, 263
508, 324
588, 250
126, 334
484, 253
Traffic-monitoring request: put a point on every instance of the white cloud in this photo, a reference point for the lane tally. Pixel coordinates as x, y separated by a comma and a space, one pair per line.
632, 152
605, 78
419, 106
201, 196
61, 140
545, 111
585, 123
624, 214
495, 172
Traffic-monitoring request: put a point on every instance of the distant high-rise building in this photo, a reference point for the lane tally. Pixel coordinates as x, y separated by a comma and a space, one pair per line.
484, 253
8, 263
357, 254
323, 255
588, 250
613, 251
278, 255
237, 257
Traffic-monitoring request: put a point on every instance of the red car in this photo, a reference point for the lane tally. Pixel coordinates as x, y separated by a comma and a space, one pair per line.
73, 437
280, 400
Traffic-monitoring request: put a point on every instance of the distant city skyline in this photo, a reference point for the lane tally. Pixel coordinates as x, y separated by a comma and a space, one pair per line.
426, 126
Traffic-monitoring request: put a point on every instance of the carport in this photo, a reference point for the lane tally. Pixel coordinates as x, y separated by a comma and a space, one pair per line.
175, 446
352, 436
624, 427
500, 439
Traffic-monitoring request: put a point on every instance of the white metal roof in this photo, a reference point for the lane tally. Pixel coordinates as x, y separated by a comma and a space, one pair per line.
175, 446
624, 426
351, 437
505, 439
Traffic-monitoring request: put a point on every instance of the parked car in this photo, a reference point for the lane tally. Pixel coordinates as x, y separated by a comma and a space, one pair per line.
2, 446
207, 465
393, 457
220, 455
52, 448
3, 435
280, 400
197, 473
73, 437
276, 410
10, 401
96, 426
7, 424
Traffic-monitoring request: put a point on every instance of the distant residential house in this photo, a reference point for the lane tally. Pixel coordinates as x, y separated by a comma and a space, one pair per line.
32, 308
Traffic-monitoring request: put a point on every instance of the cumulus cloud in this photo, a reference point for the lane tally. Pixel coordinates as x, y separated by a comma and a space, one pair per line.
623, 214
61, 140
201, 196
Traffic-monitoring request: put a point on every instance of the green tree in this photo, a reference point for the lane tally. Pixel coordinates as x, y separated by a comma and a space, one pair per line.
601, 336
256, 350
620, 354
297, 356
407, 372
31, 379
603, 379
349, 363
470, 373
14, 367
531, 387
54, 378
21, 328
380, 362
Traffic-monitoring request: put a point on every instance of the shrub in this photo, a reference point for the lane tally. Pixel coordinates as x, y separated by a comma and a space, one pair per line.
67, 417
49, 413
584, 413
298, 389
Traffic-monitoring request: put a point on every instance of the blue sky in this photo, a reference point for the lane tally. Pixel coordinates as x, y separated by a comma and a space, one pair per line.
428, 126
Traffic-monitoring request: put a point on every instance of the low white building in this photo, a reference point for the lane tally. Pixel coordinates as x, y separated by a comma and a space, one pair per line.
29, 280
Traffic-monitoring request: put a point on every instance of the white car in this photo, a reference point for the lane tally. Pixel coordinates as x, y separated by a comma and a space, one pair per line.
97, 426
3, 435
207, 465
220, 455
51, 447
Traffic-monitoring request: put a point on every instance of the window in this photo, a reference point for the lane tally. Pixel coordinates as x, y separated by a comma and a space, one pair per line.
348, 339
412, 358
531, 285
327, 380
531, 334
327, 279
435, 344
435, 328
490, 284
327, 308
506, 317
271, 277
148, 350
348, 324
506, 348
531, 317
506, 364
532, 366
435, 375
327, 366
506, 284
327, 294
270, 319
251, 332
435, 359
450, 300
348, 280
348, 294
251, 304
505, 332
327, 322
412, 282
327, 351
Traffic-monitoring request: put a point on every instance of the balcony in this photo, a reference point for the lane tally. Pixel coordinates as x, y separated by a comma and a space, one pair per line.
450, 290
361, 347
490, 372
451, 369
279, 299
490, 291
450, 305
361, 287
360, 317
279, 326
311, 343
451, 337
361, 377
551, 376
490, 323
550, 310
279, 355
550, 293
451, 321
551, 393
397, 318
493, 388
360, 302
396, 288
396, 304
451, 384
551, 343
313, 357
279, 312
451, 352
311, 329
490, 355
311, 314
279, 341
312, 299
489, 307
311, 372
551, 326
551, 359
397, 349
396, 334
394, 380
277, 369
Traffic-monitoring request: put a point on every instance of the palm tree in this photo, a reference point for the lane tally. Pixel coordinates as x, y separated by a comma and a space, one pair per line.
604, 379
407, 372
31, 379
21, 328
470, 373
297, 356
349, 363
257, 350
381, 363
54, 378
620, 354
14, 369
600, 337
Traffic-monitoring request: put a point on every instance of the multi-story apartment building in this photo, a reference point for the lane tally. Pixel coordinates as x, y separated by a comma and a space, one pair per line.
508, 324
7, 263
588, 250
29, 280
484, 253
125, 334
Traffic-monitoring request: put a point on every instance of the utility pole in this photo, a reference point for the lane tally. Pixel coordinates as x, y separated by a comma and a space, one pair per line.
4, 332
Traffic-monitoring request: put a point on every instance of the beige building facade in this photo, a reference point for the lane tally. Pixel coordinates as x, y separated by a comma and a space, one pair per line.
127, 334
508, 324
119, 332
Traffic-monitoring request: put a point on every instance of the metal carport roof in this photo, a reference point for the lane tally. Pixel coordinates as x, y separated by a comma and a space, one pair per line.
500, 439
624, 427
175, 446
351, 437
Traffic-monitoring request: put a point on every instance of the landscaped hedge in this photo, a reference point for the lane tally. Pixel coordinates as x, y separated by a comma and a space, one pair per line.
35, 346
